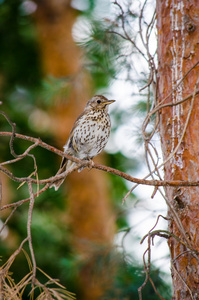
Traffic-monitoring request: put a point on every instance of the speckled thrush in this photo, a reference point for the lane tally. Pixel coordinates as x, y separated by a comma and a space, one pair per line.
89, 134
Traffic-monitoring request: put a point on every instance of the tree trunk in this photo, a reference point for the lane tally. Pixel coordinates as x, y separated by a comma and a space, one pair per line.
178, 52
90, 215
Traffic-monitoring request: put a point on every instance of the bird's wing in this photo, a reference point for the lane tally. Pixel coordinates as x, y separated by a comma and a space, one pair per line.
69, 142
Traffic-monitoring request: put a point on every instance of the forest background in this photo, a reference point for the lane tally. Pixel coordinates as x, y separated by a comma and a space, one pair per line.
54, 56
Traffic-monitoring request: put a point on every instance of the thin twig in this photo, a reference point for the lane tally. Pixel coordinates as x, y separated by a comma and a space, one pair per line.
179, 82
150, 235
13, 256
8, 218
0, 192
13, 125
30, 211
188, 288
83, 163
176, 148
126, 35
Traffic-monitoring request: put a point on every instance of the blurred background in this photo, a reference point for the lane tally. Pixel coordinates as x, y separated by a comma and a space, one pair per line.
54, 56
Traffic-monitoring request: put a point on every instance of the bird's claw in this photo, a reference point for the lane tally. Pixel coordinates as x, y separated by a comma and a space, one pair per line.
91, 165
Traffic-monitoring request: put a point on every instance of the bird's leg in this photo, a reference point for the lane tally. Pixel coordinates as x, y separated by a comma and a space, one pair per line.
91, 163
89, 167
82, 168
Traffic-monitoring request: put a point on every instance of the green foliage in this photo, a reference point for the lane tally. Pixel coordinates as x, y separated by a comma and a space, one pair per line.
129, 279
119, 187
17, 38
23, 92
101, 50
122, 163
54, 88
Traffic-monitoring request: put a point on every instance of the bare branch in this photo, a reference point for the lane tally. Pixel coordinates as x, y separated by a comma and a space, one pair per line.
8, 218
0, 192
30, 211
83, 163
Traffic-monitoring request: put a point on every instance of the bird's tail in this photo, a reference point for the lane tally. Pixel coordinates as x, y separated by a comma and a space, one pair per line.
65, 165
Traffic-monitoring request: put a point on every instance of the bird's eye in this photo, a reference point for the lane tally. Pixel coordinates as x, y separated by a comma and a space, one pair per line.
98, 101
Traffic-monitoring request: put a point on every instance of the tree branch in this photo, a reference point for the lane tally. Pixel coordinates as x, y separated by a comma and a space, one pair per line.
85, 163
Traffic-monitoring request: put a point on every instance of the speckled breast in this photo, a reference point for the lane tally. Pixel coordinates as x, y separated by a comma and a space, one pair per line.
92, 134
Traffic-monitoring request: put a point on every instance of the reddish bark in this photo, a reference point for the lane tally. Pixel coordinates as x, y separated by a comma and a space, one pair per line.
178, 51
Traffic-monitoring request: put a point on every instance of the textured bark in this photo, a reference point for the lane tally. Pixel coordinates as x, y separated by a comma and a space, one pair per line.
90, 216
178, 51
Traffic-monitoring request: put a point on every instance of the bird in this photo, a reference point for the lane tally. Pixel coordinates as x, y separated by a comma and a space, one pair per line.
89, 134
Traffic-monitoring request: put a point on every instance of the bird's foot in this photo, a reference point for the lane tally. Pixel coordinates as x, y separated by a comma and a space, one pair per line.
80, 169
91, 163
89, 167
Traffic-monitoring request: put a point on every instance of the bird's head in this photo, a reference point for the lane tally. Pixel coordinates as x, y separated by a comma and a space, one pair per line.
98, 102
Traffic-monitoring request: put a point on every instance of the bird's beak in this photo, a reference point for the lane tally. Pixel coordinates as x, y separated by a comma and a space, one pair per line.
110, 101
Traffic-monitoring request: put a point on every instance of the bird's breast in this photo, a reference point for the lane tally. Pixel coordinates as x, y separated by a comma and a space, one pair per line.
91, 134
